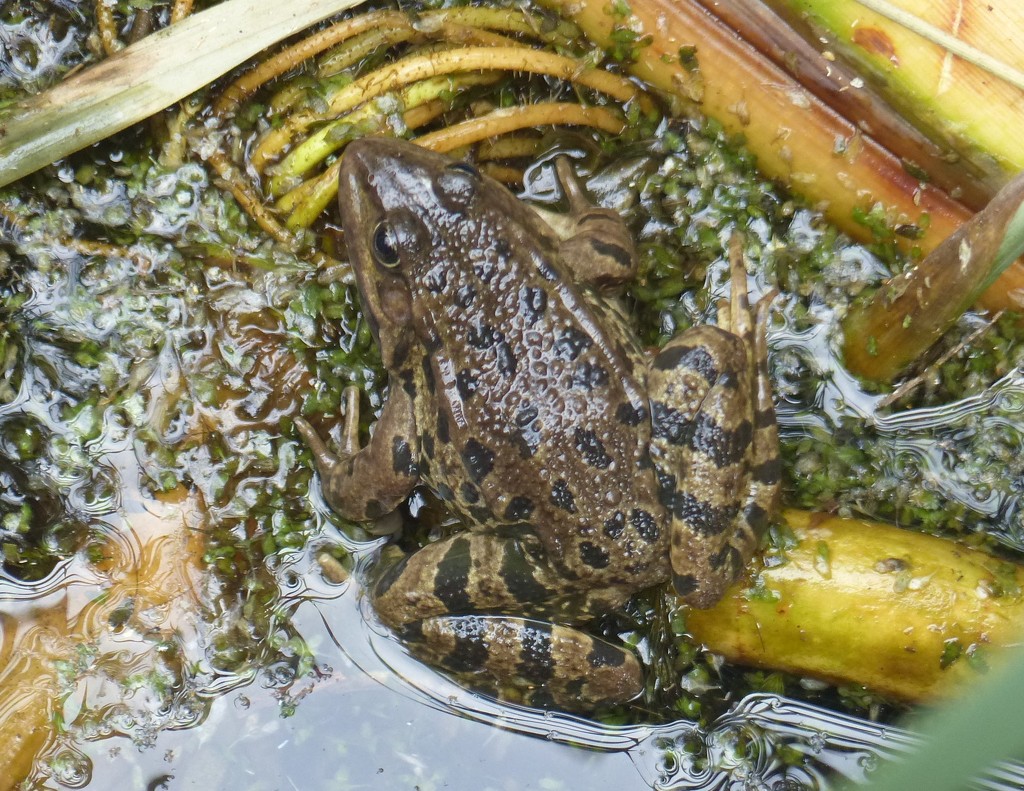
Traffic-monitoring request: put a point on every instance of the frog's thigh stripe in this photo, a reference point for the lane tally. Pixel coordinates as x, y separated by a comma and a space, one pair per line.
722, 445
693, 358
464, 573
452, 579
562, 665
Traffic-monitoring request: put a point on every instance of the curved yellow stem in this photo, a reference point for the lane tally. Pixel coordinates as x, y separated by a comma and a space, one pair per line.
421, 67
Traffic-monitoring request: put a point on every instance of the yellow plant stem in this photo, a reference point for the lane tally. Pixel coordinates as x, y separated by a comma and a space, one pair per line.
308, 200
180, 10
508, 147
294, 55
304, 202
421, 67
510, 119
794, 137
107, 26
304, 158
358, 47
247, 198
858, 602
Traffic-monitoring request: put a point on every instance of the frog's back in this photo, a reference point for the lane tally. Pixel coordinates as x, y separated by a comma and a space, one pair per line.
529, 414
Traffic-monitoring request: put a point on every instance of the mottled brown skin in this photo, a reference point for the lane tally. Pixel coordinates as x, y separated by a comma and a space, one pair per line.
583, 470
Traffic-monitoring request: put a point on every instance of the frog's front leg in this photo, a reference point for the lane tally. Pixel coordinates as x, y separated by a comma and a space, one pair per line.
715, 444
365, 484
596, 244
451, 599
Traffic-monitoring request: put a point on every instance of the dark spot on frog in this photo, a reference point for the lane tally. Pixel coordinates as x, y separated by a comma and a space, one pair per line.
723, 446
693, 358
588, 444
413, 633
727, 554
705, 518
401, 457
517, 574
518, 508
481, 514
526, 442
532, 303
470, 653
400, 353
466, 383
444, 492
666, 488
427, 443
562, 497
506, 359
388, 578
644, 524
684, 584
503, 249
756, 516
603, 654
485, 270
630, 415
571, 343
482, 335
526, 414
614, 525
593, 555
535, 661
669, 424
728, 380
436, 280
764, 418
767, 472
408, 383
588, 375
465, 295
575, 688
614, 252
478, 459
470, 494
443, 435
433, 342
428, 375
452, 576
374, 509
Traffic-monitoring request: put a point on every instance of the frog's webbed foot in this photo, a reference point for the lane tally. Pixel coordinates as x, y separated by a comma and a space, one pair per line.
596, 244
450, 602
715, 443
364, 484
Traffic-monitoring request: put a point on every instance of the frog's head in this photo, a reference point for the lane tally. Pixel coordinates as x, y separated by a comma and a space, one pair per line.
409, 214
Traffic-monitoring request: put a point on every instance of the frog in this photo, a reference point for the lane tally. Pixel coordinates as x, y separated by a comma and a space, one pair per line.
581, 467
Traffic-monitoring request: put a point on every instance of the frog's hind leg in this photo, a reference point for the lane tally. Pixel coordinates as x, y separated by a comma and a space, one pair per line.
531, 661
450, 600
764, 465
714, 444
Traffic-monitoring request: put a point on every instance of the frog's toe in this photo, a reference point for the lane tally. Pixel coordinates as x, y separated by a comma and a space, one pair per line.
529, 661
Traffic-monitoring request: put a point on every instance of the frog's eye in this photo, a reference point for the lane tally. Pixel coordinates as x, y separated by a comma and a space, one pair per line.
385, 245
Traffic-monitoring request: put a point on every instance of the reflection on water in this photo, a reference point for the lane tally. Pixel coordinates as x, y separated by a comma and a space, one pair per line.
372, 717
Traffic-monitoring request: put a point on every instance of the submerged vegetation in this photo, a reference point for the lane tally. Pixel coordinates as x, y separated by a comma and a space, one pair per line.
173, 298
